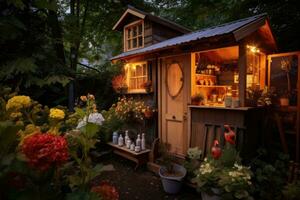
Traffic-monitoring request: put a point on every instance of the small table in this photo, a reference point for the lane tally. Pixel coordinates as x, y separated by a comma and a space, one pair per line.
139, 158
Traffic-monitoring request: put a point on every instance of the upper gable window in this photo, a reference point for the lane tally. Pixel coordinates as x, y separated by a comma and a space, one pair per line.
134, 35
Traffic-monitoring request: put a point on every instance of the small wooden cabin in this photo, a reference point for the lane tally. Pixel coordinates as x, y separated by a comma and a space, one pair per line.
218, 64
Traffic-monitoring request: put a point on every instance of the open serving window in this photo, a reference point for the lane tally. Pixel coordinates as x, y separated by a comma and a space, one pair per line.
215, 75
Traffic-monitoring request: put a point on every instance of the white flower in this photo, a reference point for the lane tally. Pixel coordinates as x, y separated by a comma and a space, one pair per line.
206, 168
95, 118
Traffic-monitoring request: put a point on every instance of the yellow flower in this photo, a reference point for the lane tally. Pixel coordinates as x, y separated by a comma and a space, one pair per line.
15, 115
56, 113
18, 102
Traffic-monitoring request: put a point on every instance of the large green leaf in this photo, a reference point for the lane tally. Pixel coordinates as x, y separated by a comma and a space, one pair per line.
90, 130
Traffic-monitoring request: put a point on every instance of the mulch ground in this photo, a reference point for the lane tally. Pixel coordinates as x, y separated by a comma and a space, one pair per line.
140, 184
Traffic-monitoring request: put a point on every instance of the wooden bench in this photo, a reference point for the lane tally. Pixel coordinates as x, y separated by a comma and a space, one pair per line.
139, 158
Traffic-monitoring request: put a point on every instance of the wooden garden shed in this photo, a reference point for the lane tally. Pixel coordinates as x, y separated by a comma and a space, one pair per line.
216, 65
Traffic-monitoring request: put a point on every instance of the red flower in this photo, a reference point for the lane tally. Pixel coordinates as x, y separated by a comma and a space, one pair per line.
229, 135
45, 150
216, 151
106, 191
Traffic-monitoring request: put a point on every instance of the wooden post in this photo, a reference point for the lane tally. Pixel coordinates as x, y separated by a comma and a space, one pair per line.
242, 65
298, 113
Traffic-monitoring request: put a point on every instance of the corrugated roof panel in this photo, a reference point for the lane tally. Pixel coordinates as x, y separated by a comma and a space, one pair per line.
197, 35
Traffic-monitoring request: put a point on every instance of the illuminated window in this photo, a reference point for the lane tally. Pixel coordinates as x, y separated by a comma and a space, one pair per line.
134, 36
137, 75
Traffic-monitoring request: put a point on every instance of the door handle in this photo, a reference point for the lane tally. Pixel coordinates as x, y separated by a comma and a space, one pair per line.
173, 117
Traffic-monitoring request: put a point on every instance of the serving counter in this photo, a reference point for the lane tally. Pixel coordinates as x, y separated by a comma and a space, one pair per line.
207, 123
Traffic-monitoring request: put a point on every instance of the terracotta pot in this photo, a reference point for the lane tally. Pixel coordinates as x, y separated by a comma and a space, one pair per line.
284, 101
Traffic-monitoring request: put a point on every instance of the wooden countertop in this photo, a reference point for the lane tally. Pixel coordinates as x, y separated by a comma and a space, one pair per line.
221, 107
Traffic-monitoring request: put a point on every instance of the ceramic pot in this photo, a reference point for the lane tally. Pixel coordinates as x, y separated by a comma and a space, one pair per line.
171, 184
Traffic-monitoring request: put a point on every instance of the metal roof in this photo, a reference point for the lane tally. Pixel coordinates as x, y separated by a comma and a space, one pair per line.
197, 35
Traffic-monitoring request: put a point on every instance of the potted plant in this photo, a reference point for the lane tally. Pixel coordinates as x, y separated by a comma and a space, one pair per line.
119, 84
171, 174
192, 161
197, 99
221, 175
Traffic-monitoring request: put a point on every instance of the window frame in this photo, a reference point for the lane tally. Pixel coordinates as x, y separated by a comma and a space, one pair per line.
126, 39
129, 77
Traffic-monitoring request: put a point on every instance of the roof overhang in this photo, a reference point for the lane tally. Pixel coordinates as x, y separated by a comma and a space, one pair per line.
129, 11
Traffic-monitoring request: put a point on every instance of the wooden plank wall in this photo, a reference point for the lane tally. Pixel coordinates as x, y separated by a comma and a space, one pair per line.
237, 118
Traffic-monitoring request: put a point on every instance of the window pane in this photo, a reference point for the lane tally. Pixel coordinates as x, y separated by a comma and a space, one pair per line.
144, 69
139, 83
133, 83
134, 43
134, 31
129, 33
139, 71
144, 79
140, 29
129, 44
140, 41
132, 72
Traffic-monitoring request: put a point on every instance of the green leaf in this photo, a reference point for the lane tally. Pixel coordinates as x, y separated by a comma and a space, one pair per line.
74, 181
44, 4
90, 130
80, 112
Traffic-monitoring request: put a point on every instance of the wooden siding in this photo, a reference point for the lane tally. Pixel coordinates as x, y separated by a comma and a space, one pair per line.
242, 118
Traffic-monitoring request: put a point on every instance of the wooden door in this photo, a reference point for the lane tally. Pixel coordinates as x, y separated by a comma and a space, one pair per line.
174, 97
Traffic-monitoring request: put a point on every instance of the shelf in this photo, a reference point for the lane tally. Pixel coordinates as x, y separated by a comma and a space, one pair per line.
212, 86
207, 75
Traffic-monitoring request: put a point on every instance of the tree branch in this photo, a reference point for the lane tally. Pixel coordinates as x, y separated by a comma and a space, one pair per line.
89, 67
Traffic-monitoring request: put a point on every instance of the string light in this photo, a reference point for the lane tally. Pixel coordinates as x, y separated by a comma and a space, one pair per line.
253, 49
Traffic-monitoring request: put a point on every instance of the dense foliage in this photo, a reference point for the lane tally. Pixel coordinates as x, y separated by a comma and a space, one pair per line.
51, 48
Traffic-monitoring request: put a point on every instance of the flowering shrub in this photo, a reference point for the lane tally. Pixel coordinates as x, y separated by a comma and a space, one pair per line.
222, 171
119, 83
129, 109
45, 150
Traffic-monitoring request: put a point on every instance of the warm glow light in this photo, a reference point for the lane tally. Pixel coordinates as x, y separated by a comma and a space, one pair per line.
253, 49
126, 66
